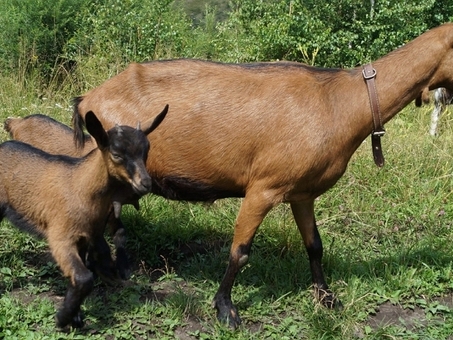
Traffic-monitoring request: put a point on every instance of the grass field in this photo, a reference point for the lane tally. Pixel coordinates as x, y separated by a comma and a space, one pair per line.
387, 235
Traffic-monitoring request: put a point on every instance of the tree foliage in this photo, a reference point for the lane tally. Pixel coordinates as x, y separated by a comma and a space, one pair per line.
329, 33
35, 32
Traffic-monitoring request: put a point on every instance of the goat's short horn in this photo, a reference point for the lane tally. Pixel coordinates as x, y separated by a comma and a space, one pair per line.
139, 126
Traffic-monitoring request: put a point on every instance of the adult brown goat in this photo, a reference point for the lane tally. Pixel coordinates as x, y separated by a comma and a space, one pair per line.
51, 136
268, 132
67, 200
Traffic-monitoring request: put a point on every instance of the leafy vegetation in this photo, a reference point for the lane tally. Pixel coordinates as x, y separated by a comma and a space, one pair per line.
386, 231
53, 37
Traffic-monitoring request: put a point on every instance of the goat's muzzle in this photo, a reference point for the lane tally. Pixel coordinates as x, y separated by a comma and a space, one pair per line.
142, 185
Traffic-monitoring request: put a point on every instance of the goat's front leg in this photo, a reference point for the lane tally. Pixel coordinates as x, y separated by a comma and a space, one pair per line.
118, 231
103, 264
304, 215
80, 285
251, 214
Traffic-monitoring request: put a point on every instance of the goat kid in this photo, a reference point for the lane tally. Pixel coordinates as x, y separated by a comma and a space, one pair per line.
66, 200
53, 137
268, 132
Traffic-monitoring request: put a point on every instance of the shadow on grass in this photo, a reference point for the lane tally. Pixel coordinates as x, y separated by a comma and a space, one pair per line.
202, 255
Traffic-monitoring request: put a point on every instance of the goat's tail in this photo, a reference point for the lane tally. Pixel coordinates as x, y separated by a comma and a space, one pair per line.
78, 124
10, 125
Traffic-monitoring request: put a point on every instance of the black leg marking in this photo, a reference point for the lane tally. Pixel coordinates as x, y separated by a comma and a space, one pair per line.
122, 260
321, 289
103, 262
70, 311
226, 311
305, 219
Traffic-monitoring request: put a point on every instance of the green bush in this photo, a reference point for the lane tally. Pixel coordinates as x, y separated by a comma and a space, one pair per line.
131, 30
33, 33
334, 33
46, 35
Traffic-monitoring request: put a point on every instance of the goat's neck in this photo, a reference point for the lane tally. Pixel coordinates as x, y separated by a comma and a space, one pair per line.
94, 181
401, 77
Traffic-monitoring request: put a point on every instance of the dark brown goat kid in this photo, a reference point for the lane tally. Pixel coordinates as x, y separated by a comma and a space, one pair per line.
51, 136
268, 132
67, 200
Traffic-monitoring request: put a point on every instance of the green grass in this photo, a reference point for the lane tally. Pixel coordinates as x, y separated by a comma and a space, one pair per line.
387, 236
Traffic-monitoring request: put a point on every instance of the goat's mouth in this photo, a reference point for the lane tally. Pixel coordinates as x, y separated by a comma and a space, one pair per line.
142, 188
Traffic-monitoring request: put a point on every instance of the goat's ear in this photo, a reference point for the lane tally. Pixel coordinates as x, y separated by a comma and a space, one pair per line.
150, 125
95, 129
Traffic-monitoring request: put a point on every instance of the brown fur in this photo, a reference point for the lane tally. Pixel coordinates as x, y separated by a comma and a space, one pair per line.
271, 132
53, 137
66, 200
47, 134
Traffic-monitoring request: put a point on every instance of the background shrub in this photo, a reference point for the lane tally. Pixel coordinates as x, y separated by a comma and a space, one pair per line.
50, 37
34, 33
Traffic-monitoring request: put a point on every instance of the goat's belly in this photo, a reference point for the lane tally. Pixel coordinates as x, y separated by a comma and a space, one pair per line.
23, 223
186, 189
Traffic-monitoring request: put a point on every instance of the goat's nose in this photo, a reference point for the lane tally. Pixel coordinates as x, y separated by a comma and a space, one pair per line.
147, 183
143, 186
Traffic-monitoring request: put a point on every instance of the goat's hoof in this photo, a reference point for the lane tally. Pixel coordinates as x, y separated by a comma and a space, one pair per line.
62, 318
227, 313
327, 298
124, 273
108, 274
77, 320
123, 268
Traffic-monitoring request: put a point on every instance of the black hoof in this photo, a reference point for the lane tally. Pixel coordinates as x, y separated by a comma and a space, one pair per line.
64, 318
122, 265
77, 321
327, 298
227, 313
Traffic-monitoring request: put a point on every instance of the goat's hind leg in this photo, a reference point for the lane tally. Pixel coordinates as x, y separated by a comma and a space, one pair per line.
305, 219
80, 285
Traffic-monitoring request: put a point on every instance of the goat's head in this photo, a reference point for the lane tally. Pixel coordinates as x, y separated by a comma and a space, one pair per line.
125, 150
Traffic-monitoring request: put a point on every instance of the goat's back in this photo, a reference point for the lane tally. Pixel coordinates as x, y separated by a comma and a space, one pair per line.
228, 125
47, 134
37, 188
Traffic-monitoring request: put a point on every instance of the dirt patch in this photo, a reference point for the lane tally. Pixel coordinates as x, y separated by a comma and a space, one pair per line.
390, 314
395, 315
27, 298
190, 330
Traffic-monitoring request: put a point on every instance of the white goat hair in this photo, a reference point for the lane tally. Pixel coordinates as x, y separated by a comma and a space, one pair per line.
442, 98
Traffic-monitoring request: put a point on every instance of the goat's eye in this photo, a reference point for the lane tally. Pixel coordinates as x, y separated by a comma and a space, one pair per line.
116, 158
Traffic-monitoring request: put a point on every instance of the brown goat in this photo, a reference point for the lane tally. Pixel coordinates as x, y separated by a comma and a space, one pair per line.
268, 132
67, 200
51, 136
47, 134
